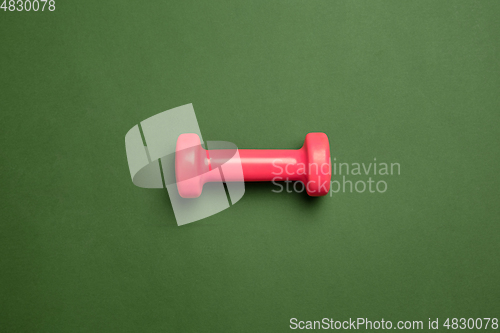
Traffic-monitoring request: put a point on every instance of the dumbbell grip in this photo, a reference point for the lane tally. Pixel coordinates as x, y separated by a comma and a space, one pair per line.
260, 165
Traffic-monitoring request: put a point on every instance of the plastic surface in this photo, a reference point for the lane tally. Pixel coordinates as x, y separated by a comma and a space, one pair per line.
310, 164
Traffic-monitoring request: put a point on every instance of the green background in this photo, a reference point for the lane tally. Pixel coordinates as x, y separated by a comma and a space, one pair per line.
417, 83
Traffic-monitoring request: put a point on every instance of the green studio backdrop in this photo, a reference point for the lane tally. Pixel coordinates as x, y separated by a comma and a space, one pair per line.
416, 83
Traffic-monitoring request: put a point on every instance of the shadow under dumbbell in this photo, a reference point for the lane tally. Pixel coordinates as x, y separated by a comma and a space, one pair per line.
264, 191
255, 193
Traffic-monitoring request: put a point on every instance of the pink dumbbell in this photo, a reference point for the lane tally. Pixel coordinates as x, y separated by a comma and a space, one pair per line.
195, 166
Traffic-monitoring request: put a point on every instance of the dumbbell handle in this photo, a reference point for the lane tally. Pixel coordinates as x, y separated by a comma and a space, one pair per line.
260, 165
